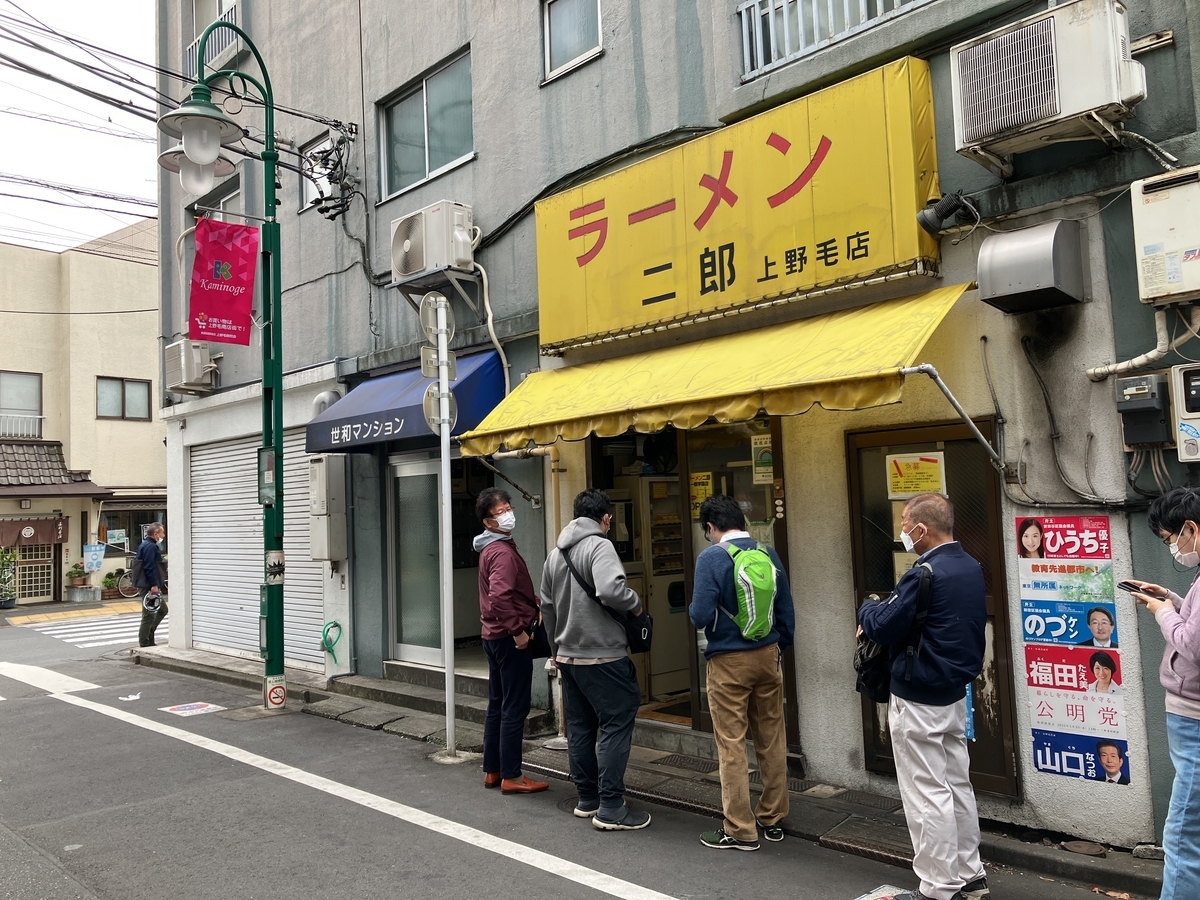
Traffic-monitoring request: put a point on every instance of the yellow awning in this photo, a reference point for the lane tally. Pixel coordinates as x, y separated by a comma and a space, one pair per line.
843, 360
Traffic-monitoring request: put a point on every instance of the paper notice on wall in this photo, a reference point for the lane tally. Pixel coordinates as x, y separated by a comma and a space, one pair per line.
764, 459
910, 474
701, 490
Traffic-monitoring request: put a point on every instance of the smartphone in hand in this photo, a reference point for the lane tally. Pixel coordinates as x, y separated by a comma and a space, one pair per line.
1130, 587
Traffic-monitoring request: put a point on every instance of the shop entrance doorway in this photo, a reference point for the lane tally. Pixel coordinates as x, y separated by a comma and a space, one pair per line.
657, 483
949, 454
414, 570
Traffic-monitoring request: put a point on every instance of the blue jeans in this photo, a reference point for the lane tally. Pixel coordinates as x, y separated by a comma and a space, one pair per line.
1181, 836
510, 678
601, 705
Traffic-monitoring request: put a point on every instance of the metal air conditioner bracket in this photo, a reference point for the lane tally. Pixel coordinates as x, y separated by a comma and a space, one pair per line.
415, 287
1000, 166
1103, 129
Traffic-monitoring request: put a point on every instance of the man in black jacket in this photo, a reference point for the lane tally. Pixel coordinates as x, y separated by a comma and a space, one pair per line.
928, 710
150, 586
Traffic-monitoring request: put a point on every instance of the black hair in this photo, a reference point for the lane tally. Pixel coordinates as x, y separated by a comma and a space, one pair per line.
722, 513
488, 498
592, 504
1025, 526
1100, 609
934, 511
1105, 659
1101, 744
1169, 512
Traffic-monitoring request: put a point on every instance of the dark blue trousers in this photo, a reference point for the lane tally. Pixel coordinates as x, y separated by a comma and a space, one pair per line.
601, 704
510, 679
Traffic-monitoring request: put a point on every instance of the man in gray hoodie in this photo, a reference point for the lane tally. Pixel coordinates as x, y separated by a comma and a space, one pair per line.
600, 686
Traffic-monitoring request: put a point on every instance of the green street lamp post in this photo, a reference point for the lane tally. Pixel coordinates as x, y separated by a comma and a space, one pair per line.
204, 129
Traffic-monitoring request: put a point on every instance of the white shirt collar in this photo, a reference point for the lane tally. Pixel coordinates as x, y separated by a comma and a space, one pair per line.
734, 535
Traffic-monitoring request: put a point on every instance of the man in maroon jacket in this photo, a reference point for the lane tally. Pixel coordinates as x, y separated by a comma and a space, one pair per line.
508, 610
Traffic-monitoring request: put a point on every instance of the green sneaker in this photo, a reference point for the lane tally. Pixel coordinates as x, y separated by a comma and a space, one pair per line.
719, 840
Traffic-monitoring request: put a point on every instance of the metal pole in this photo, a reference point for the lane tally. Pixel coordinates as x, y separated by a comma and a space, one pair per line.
447, 570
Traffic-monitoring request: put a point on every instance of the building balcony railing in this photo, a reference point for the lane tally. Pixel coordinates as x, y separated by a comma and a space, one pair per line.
218, 42
777, 32
20, 426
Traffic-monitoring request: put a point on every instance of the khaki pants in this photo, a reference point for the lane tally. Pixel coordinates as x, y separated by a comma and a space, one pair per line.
745, 693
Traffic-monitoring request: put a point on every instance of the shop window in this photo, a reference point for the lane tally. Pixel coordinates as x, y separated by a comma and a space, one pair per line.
122, 530
572, 34
428, 130
123, 398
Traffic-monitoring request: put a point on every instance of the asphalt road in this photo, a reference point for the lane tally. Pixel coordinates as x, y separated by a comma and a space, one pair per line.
104, 797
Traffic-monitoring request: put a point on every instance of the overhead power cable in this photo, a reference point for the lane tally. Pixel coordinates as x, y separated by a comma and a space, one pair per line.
80, 191
124, 105
105, 209
75, 123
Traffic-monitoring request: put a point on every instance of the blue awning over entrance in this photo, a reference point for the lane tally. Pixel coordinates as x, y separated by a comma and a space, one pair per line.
389, 408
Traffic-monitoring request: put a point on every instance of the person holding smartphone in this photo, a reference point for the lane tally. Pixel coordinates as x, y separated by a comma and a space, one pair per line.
1175, 518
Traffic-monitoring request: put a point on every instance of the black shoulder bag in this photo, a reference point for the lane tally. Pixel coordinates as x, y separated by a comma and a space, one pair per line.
639, 630
872, 662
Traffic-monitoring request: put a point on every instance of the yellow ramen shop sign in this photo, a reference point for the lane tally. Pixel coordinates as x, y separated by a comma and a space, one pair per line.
820, 191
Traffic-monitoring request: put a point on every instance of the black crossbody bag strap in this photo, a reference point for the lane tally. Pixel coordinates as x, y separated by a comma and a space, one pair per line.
915, 635
589, 589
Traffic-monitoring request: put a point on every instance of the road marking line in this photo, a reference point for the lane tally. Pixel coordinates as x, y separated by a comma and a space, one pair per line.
37, 677
468, 835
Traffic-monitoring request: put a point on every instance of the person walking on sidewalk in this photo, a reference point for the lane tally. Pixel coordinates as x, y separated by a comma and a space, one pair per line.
150, 585
745, 669
600, 687
932, 662
1175, 517
508, 610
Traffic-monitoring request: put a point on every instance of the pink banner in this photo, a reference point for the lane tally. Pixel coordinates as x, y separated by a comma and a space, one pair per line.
1063, 537
223, 282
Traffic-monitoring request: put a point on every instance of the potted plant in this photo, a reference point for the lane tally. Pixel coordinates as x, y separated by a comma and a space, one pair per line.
108, 585
8, 578
76, 575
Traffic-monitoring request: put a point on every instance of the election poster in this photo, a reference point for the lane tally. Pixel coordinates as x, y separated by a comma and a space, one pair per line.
1072, 648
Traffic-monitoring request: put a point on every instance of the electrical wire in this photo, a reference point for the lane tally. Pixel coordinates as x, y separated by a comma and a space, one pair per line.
97, 312
120, 212
74, 123
75, 189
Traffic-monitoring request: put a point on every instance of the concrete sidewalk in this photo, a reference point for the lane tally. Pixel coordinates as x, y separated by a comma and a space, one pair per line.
850, 821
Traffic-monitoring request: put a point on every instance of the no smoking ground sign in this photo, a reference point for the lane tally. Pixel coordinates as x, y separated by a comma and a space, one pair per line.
275, 692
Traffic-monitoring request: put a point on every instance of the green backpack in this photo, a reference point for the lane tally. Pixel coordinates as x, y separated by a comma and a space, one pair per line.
754, 583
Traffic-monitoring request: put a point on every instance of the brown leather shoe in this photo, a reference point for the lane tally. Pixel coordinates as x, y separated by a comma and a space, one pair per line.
491, 779
522, 785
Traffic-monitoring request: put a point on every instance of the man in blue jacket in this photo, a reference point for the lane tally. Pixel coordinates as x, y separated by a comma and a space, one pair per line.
745, 681
928, 710
150, 586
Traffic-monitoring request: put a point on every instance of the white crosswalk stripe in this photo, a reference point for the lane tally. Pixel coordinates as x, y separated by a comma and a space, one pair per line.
104, 631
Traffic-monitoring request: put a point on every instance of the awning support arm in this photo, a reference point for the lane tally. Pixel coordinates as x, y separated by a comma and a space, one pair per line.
927, 369
533, 500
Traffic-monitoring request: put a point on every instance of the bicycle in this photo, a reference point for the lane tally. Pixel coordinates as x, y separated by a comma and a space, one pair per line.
125, 584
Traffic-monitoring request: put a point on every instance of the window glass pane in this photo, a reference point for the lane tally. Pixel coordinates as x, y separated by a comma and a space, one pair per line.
574, 29
315, 182
449, 99
108, 396
406, 142
231, 203
20, 393
137, 400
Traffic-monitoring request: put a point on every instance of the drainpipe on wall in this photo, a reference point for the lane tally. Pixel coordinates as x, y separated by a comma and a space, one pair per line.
1161, 349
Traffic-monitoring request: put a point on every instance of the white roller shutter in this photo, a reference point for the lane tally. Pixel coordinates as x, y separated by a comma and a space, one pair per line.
227, 555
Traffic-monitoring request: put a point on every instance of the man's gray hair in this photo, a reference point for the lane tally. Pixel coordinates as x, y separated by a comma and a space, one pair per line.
934, 511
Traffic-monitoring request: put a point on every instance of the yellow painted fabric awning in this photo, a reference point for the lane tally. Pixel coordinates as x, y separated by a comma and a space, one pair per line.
843, 360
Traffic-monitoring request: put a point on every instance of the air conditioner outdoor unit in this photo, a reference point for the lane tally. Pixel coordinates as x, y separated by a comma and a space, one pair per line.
1166, 236
432, 238
1064, 74
188, 367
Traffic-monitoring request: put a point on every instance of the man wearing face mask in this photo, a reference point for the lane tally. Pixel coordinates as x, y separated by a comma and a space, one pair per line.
927, 711
600, 687
508, 610
1175, 518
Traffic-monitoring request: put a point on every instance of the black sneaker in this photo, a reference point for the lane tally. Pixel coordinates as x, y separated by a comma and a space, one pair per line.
976, 890
585, 810
625, 819
772, 833
719, 840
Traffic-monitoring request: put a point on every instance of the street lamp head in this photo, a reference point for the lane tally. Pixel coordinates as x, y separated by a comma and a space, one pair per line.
202, 126
196, 180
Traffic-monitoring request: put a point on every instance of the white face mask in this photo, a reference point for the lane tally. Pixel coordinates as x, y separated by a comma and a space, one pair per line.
506, 521
1188, 560
907, 540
